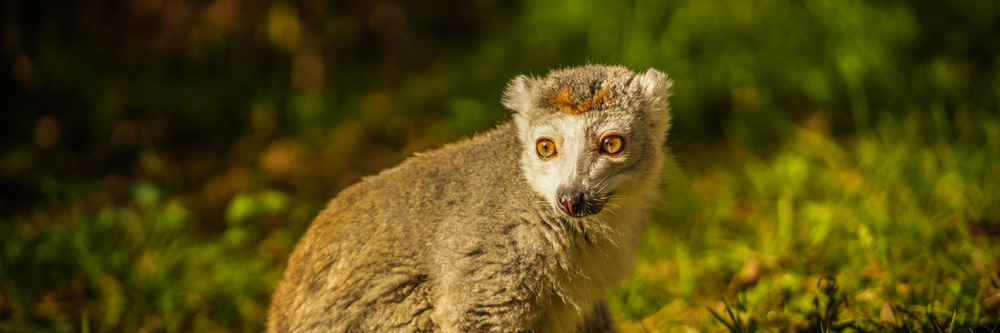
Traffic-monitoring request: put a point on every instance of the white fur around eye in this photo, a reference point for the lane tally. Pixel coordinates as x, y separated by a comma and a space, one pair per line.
569, 134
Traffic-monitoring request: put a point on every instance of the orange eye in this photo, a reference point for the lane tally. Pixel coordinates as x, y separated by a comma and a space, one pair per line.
612, 144
545, 148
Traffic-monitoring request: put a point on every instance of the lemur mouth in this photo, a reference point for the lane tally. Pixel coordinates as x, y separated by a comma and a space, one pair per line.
581, 204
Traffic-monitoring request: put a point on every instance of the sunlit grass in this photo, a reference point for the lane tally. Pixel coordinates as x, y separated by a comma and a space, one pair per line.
892, 228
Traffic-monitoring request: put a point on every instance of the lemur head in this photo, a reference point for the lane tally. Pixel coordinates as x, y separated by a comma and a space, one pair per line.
590, 134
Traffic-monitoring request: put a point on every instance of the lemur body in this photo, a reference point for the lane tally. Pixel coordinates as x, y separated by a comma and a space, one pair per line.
519, 229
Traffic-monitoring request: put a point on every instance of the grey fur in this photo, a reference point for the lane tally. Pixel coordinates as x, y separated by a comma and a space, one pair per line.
467, 238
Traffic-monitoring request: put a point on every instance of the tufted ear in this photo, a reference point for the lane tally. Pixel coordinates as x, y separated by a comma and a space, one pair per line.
654, 84
519, 94
654, 88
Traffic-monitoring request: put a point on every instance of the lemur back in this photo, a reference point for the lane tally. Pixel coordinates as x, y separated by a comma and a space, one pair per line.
519, 229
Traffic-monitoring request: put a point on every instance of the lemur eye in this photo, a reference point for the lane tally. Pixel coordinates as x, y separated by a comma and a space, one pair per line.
545, 148
612, 144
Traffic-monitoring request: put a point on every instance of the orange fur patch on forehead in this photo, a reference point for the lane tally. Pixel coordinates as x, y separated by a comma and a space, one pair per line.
562, 100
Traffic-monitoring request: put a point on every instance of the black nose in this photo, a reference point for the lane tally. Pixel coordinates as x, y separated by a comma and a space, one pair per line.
572, 203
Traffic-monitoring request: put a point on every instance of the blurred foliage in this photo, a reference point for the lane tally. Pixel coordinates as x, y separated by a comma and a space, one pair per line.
837, 170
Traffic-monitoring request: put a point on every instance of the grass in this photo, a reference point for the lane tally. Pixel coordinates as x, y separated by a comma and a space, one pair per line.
890, 229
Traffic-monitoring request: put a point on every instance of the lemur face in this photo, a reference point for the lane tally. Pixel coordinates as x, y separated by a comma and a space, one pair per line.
590, 135
579, 163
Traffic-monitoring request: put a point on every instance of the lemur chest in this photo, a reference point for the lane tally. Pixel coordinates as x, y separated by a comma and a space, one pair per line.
579, 278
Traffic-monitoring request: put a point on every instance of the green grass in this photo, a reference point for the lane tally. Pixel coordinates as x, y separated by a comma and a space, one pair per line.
891, 229
137, 267
894, 228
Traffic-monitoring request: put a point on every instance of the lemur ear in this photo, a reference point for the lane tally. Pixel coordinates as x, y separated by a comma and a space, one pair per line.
654, 88
518, 96
655, 84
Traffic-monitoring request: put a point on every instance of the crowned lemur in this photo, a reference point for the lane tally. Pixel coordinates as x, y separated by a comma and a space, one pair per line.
519, 229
